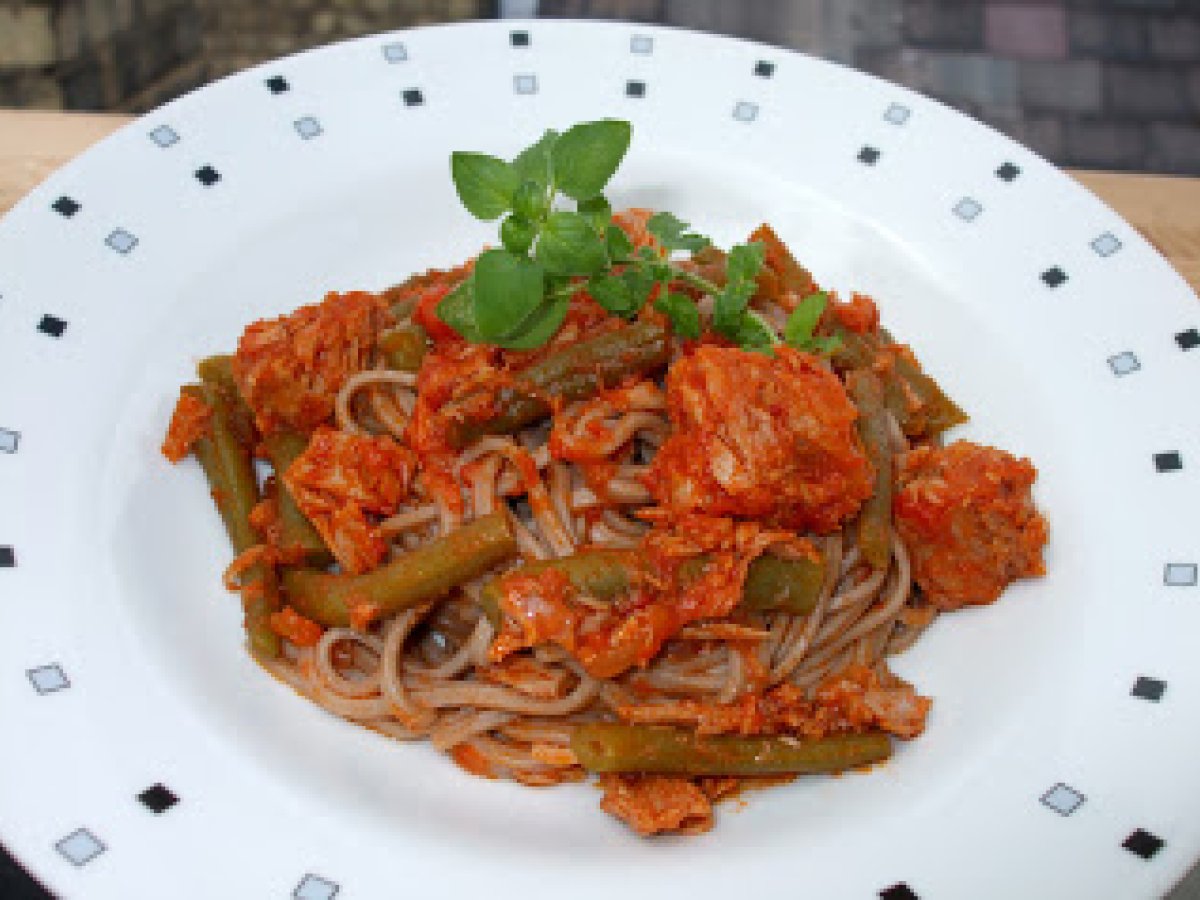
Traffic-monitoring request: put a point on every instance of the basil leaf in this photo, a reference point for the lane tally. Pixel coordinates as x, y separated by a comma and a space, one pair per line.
569, 246
533, 163
517, 235
729, 307
457, 309
800, 324
619, 245
755, 334
612, 293
744, 262
530, 202
640, 280
484, 183
508, 289
540, 326
673, 233
586, 156
597, 211
685, 318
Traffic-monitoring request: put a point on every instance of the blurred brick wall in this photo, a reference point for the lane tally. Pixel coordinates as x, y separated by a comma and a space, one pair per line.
240, 33
1097, 84
133, 55
97, 54
1112, 84
1109, 84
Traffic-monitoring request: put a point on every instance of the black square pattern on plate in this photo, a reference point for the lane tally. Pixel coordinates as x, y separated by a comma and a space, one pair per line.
158, 798
277, 84
52, 325
65, 206
1167, 462
764, 69
899, 891
8, 558
868, 155
519, 38
635, 89
1142, 843
1007, 172
1188, 340
1146, 688
413, 97
207, 176
1054, 277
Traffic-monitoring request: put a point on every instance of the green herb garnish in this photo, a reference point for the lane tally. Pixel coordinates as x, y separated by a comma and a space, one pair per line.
518, 294
798, 332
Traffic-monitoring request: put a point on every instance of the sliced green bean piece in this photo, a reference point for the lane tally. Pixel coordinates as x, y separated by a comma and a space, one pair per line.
230, 471
874, 529
786, 585
404, 347
611, 747
772, 583
227, 465
937, 411
218, 372
424, 574
282, 449
575, 373
603, 574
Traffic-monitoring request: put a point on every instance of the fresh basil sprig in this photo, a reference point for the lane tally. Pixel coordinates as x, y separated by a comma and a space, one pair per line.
518, 294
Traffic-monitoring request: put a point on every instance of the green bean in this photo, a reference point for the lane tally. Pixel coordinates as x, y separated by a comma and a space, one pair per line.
772, 583
785, 585
609, 747
603, 574
874, 527
574, 373
218, 372
404, 347
782, 273
423, 574
282, 449
230, 471
935, 410
227, 465
854, 350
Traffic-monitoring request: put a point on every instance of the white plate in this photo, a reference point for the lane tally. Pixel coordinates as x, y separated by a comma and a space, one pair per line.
1059, 757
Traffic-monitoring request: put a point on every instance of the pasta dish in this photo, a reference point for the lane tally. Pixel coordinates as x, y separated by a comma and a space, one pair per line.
604, 499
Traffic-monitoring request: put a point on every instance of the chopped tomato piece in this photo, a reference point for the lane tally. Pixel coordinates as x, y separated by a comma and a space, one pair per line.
189, 423
303, 632
858, 314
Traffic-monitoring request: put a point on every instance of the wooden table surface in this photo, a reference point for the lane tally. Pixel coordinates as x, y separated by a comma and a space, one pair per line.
1164, 209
